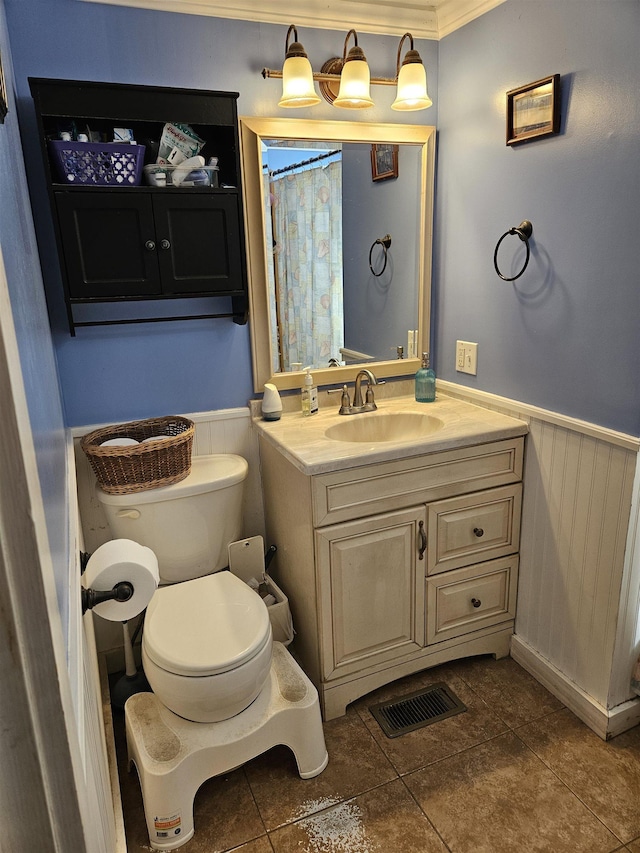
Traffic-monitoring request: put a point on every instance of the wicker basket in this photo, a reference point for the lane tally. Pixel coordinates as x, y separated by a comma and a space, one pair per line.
123, 470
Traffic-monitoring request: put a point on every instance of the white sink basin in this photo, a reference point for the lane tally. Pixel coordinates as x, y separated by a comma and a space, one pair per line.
384, 426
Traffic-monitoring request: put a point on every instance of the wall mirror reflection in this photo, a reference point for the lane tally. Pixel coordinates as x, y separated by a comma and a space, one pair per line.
328, 289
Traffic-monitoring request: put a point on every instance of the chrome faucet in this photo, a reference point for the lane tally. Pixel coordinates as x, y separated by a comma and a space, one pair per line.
370, 405
358, 406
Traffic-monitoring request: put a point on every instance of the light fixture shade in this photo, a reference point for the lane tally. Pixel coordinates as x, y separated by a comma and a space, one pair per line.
412, 88
297, 83
354, 86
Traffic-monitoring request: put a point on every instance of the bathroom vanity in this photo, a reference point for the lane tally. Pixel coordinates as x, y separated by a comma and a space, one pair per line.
397, 553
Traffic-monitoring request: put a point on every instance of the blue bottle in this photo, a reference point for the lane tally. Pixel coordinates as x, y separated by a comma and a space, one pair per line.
425, 382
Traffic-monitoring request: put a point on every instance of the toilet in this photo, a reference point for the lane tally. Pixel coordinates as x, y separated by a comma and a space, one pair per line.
223, 691
207, 640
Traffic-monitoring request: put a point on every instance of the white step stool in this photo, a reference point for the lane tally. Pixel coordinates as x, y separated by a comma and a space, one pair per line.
175, 756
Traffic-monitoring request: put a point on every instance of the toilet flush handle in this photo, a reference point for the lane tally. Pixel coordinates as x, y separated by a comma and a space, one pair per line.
128, 513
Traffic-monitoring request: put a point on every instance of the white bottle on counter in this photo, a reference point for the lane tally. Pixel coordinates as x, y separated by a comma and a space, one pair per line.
309, 395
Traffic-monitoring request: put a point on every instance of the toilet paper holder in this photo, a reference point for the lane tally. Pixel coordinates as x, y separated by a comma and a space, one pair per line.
122, 591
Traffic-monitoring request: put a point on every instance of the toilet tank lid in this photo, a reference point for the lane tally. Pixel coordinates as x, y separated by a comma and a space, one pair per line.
205, 626
208, 474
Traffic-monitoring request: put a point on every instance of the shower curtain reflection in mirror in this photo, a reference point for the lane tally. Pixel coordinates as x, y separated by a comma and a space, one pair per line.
303, 216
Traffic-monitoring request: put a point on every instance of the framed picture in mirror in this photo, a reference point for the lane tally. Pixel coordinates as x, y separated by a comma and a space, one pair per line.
384, 162
533, 110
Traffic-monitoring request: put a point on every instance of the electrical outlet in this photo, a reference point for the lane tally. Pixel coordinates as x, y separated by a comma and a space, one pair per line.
467, 357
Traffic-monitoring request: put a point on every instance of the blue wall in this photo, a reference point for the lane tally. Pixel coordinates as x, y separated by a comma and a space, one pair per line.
566, 335
142, 371
39, 372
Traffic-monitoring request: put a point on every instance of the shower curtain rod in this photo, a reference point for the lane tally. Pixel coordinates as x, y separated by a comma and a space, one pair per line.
303, 163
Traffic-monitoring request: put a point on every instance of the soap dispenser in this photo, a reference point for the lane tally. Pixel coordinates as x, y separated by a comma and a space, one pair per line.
309, 395
425, 382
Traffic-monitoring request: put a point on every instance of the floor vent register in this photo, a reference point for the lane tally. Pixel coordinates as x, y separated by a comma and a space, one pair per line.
422, 708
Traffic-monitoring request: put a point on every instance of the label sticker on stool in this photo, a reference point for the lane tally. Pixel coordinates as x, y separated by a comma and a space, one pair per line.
168, 827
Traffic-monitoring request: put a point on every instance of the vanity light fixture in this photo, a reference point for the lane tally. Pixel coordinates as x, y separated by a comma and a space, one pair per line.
297, 76
344, 81
412, 80
355, 78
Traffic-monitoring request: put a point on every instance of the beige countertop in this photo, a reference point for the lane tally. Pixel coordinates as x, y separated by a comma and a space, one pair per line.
303, 442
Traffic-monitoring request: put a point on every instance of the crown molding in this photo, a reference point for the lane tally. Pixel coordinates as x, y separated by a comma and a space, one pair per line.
453, 14
383, 17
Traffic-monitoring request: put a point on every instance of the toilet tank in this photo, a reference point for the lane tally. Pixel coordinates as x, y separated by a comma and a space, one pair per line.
189, 524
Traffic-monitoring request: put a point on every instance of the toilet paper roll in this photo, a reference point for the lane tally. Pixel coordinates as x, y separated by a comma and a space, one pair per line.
122, 560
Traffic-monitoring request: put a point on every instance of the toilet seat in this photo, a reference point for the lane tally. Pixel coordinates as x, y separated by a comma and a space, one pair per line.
205, 626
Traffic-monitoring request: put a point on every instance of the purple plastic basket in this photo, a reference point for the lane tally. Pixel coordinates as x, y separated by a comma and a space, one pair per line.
98, 163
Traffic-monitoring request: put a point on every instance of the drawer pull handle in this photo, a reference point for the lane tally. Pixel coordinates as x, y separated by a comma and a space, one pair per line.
423, 540
150, 246
478, 531
476, 602
165, 244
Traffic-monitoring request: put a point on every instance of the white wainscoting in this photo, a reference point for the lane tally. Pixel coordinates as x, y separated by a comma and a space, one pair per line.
579, 587
579, 592
91, 702
223, 431
101, 770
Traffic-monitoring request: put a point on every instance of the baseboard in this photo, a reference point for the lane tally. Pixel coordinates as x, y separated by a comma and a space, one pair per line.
605, 723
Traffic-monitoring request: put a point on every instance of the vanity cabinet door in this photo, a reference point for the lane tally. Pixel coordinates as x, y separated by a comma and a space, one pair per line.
371, 590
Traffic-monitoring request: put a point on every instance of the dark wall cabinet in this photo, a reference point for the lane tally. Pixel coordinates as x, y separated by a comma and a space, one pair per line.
140, 243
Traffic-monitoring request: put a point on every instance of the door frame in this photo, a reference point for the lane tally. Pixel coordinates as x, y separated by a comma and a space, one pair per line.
42, 787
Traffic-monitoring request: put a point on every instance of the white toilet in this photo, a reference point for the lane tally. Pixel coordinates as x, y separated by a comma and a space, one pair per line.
224, 692
207, 641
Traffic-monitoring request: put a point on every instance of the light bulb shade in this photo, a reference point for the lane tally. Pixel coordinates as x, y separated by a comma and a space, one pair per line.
297, 83
354, 86
412, 88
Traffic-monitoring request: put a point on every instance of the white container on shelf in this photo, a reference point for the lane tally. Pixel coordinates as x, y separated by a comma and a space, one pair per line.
160, 175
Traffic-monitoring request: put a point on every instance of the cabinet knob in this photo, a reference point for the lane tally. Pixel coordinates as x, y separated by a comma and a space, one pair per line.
150, 246
423, 540
478, 531
165, 244
476, 602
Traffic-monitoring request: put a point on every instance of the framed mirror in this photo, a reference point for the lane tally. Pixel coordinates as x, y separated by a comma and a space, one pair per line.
339, 260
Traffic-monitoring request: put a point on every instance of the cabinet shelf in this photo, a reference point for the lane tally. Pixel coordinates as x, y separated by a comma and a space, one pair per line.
142, 243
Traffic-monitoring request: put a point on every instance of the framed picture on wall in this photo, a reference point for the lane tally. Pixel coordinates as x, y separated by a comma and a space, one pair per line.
384, 162
533, 110
3, 94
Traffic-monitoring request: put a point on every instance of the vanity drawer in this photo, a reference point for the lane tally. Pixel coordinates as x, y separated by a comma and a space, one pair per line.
466, 600
357, 492
471, 528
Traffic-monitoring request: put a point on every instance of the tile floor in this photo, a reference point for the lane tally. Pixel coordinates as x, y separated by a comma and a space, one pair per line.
517, 772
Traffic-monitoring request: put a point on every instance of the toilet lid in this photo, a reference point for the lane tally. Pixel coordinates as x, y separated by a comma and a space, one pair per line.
205, 626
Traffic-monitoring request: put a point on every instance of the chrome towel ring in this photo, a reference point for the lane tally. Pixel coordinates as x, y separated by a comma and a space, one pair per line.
385, 242
524, 232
